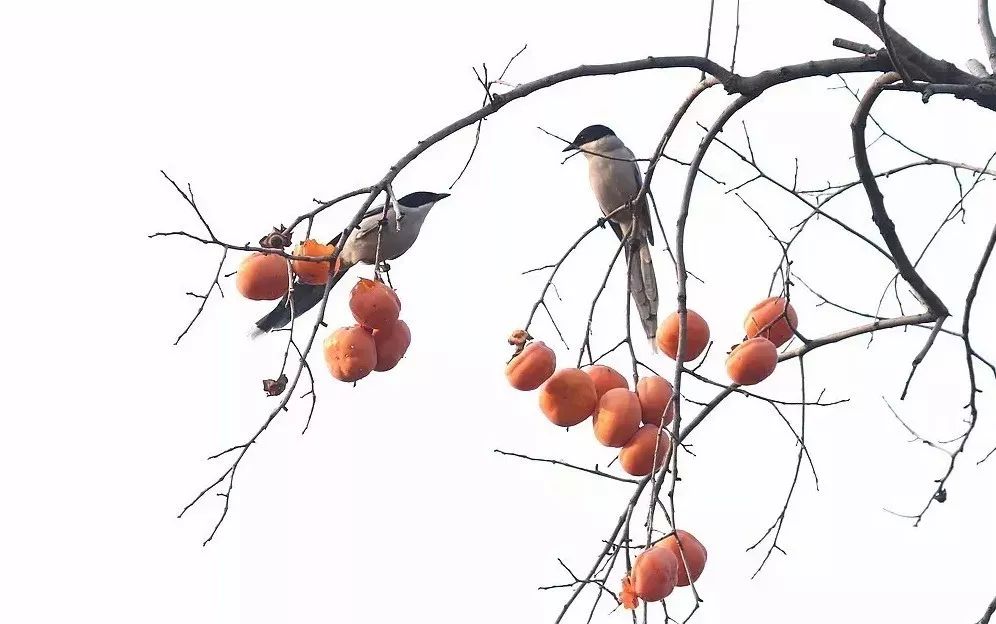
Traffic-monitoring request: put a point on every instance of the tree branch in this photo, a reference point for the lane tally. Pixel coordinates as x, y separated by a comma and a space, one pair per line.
879, 214
988, 36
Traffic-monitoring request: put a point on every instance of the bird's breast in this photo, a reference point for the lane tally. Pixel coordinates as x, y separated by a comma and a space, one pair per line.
614, 182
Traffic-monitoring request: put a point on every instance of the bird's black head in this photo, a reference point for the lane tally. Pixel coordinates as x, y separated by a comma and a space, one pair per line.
421, 198
589, 134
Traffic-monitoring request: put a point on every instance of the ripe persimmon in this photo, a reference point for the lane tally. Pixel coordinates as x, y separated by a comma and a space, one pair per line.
774, 319
617, 418
655, 574
313, 273
262, 277
568, 397
694, 555
637, 456
391, 343
752, 361
350, 353
655, 400
697, 335
532, 366
374, 304
606, 378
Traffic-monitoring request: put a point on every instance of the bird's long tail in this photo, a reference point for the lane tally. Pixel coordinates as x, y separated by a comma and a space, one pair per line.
306, 296
643, 286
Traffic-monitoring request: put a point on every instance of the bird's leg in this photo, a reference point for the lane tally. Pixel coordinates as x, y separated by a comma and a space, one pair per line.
383, 272
382, 269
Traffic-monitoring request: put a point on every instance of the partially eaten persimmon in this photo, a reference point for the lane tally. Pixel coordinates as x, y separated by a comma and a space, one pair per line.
374, 304
350, 353
314, 273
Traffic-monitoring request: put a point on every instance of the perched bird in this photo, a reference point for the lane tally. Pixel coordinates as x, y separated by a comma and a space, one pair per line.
616, 180
360, 246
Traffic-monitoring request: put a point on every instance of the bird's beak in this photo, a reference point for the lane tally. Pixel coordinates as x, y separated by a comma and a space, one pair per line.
442, 196
570, 148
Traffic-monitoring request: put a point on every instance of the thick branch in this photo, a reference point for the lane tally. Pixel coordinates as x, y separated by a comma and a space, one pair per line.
988, 36
987, 616
879, 214
923, 66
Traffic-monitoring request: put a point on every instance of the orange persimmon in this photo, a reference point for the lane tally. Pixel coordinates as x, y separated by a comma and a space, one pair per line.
752, 361
774, 319
606, 378
617, 418
637, 456
655, 400
697, 335
374, 304
655, 574
350, 353
391, 343
568, 397
694, 554
313, 273
262, 277
531, 367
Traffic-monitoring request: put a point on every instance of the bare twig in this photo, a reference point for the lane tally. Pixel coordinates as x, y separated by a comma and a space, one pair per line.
204, 297
557, 462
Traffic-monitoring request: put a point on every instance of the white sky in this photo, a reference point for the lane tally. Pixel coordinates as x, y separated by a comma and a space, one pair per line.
393, 507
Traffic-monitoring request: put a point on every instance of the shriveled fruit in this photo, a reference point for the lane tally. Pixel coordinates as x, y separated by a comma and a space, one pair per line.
262, 277
694, 555
697, 335
530, 368
350, 353
617, 417
374, 304
606, 378
655, 400
655, 574
774, 319
314, 273
627, 596
568, 397
391, 343
752, 361
637, 456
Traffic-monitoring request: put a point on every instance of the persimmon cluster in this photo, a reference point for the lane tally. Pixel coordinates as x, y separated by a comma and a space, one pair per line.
377, 341
635, 421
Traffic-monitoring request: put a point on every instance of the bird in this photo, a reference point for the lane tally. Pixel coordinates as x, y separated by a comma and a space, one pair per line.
616, 180
361, 246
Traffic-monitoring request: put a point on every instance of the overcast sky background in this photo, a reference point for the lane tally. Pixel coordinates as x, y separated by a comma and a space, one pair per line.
394, 506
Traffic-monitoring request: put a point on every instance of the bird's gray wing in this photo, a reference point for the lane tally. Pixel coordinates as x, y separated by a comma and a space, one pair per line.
643, 209
375, 211
371, 221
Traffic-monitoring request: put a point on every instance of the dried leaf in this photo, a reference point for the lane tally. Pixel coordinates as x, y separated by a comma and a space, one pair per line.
275, 387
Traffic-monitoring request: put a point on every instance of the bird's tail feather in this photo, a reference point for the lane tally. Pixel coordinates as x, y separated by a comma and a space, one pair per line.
306, 296
643, 287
